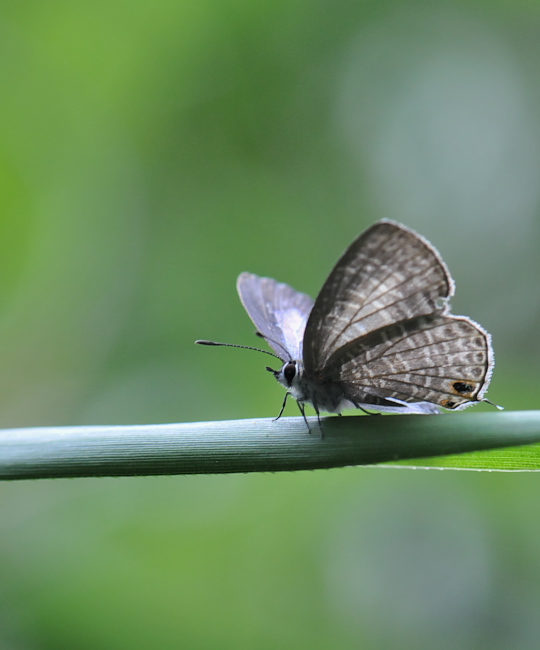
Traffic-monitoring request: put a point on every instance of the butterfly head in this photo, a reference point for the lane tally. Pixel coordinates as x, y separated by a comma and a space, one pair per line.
289, 376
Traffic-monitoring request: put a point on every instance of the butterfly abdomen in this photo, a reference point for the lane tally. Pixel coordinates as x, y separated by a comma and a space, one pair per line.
328, 396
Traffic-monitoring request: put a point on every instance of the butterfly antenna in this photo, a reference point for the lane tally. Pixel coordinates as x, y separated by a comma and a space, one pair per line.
235, 345
274, 342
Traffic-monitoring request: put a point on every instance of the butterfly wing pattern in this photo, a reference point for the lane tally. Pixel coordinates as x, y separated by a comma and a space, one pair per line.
381, 329
278, 311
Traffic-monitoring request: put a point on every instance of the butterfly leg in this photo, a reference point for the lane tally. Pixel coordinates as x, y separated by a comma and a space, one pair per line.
303, 412
315, 406
318, 416
282, 407
364, 410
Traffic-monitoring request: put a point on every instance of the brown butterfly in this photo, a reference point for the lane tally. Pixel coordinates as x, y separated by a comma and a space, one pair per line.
379, 335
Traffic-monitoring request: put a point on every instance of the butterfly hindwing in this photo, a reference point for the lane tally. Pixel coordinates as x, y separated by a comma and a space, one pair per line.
444, 360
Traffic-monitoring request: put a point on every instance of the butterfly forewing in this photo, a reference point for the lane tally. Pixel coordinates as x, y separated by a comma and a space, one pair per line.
278, 311
389, 274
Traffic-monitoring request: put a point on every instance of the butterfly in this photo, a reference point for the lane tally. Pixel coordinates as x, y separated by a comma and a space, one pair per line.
379, 335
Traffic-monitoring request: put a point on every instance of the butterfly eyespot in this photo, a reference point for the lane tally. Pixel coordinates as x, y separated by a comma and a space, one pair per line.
462, 387
448, 404
289, 372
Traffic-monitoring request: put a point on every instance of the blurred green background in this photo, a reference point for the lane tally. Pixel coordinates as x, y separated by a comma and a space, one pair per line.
151, 151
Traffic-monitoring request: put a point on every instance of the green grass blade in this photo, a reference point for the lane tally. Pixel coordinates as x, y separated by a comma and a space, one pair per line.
266, 445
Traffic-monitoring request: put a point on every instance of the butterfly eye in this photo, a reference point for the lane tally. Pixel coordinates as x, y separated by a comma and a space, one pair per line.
289, 372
